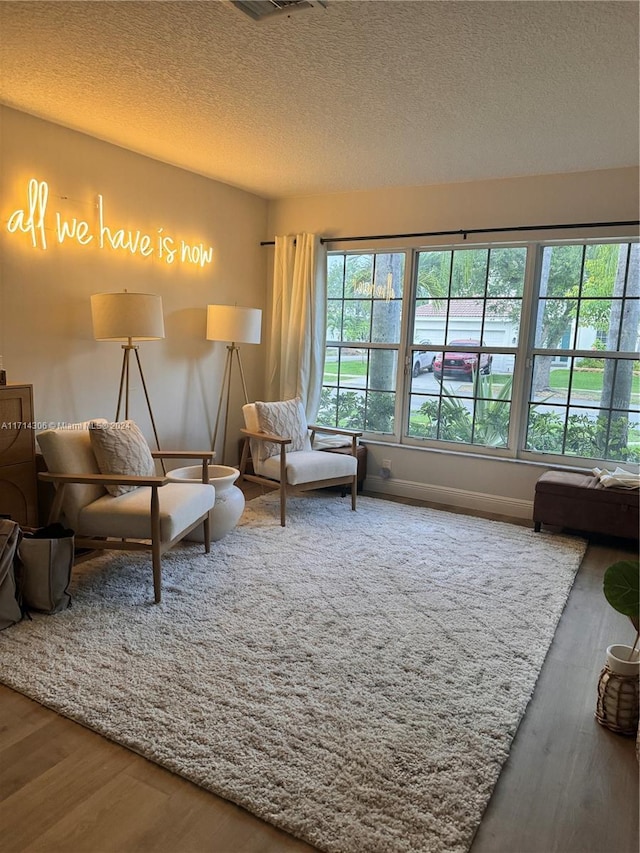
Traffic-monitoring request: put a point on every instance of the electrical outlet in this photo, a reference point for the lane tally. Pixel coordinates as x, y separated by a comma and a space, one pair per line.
385, 469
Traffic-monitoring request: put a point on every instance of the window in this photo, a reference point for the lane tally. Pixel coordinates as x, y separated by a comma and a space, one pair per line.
469, 301
364, 323
585, 389
528, 350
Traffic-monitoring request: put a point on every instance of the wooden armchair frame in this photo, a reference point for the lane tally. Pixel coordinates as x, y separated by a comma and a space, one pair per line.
282, 485
156, 545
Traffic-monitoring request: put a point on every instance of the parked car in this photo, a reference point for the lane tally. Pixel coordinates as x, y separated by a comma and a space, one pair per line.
462, 364
423, 360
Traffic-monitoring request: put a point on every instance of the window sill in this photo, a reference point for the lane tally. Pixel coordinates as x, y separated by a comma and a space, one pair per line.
486, 457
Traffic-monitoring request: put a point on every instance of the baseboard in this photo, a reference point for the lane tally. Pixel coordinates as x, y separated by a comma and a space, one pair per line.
477, 501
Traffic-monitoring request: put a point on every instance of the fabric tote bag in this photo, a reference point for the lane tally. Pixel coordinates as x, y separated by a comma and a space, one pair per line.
46, 561
10, 610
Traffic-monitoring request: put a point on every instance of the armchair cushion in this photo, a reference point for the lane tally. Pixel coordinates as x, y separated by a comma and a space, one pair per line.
309, 466
128, 515
121, 448
66, 450
286, 419
326, 442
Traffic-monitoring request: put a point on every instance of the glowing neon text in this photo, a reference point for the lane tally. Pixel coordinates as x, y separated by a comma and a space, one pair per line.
32, 220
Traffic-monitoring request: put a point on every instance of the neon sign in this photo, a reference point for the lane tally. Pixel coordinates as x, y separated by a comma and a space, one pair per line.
34, 218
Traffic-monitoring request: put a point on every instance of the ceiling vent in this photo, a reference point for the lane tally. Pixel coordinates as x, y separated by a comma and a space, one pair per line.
261, 9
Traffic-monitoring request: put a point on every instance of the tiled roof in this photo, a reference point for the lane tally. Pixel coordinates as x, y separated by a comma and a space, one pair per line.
457, 308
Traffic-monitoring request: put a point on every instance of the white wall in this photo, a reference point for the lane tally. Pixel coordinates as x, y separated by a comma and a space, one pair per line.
45, 320
610, 195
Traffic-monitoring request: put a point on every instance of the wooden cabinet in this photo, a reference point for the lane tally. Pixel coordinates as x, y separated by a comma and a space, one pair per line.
18, 484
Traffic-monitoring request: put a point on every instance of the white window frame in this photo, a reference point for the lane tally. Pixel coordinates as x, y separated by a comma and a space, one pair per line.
554, 458
375, 345
523, 350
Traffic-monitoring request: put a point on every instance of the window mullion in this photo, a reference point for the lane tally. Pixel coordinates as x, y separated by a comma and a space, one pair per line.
523, 373
403, 374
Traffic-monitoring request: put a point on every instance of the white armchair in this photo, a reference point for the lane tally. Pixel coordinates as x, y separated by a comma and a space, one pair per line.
144, 506
278, 445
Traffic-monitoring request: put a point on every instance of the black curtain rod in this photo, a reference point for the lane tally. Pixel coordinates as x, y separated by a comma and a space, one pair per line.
466, 231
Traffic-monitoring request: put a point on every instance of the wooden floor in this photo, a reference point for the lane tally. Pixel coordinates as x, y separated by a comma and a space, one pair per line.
569, 785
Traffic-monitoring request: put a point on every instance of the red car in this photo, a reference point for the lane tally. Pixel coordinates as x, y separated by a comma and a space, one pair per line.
462, 364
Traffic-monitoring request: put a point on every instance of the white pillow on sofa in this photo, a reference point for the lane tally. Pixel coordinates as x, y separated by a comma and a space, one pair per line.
287, 419
121, 448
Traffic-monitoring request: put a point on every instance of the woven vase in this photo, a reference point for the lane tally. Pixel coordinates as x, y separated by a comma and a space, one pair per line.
618, 706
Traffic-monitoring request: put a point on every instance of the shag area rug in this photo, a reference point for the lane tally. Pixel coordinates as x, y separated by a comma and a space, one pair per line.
353, 678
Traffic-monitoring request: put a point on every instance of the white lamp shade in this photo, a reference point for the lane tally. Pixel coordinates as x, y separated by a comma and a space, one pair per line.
120, 316
230, 323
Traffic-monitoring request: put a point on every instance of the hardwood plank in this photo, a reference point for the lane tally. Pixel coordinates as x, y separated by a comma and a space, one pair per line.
123, 804
569, 785
18, 718
29, 758
38, 804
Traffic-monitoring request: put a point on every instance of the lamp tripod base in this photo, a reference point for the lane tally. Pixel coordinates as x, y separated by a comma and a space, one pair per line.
123, 392
225, 393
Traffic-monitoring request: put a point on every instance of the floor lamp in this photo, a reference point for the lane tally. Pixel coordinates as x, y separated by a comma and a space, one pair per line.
236, 325
128, 317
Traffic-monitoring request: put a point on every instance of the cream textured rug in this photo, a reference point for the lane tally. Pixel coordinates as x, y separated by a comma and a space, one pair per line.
354, 678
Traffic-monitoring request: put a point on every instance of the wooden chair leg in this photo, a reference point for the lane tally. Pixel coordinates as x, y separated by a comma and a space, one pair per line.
283, 486
207, 533
156, 557
354, 483
157, 572
244, 458
283, 504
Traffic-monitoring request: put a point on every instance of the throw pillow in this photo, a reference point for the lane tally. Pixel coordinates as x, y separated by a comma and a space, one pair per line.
121, 448
287, 419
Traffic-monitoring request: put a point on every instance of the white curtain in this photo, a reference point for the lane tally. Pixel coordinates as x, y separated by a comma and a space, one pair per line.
295, 358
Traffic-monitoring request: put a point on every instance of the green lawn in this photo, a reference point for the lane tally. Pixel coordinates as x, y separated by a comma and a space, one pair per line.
349, 368
586, 380
583, 380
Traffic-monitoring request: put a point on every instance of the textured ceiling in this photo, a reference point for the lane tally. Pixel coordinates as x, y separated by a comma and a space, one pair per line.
361, 95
